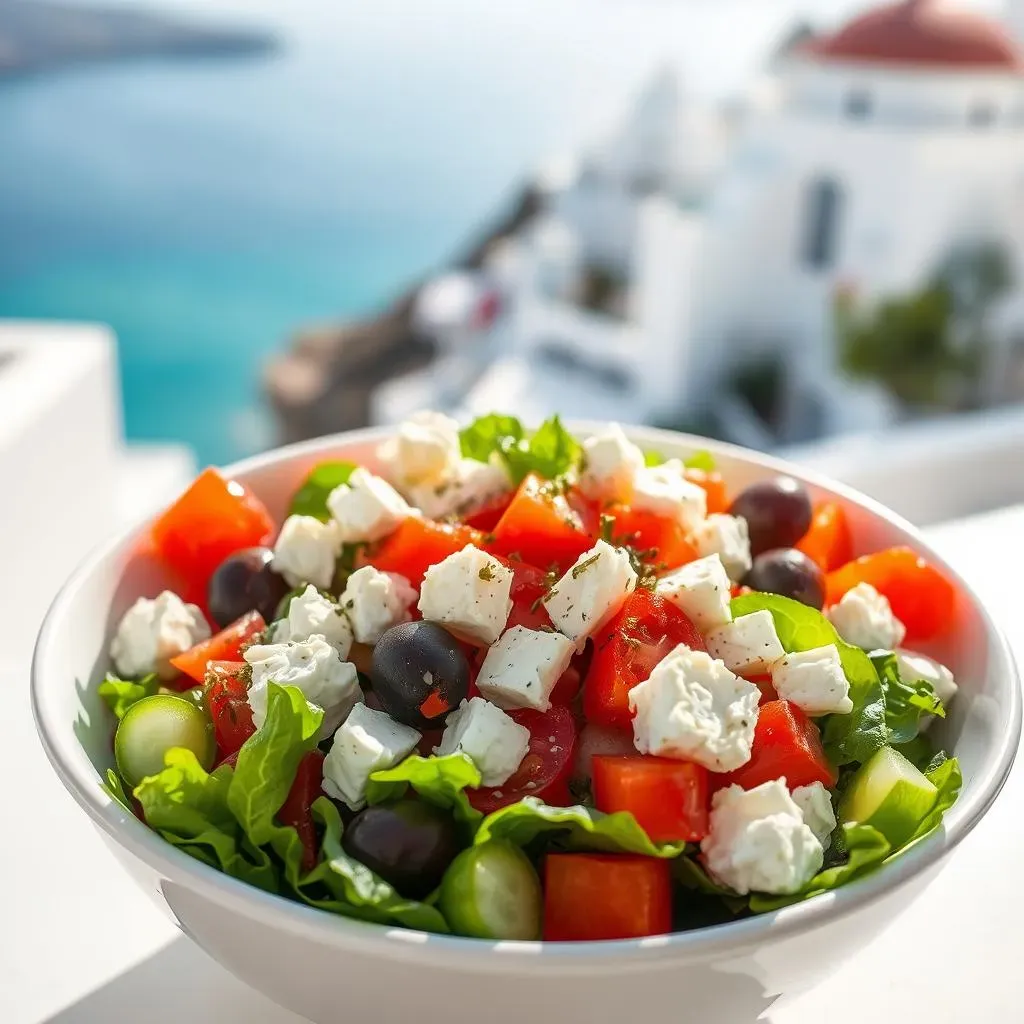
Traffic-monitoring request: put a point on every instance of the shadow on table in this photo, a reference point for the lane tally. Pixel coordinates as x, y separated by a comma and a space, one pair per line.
179, 983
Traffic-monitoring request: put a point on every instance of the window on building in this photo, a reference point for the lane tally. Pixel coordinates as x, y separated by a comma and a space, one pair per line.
823, 207
858, 105
981, 115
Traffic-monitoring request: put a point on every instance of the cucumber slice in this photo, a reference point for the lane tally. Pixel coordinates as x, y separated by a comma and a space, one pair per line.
889, 793
154, 725
491, 891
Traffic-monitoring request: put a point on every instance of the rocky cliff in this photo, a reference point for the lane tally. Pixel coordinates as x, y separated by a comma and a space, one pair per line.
324, 381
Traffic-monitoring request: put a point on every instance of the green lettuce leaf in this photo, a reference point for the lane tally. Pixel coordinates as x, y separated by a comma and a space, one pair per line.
847, 738
267, 765
701, 460
439, 780
121, 694
948, 780
919, 751
489, 434
189, 807
353, 889
905, 702
311, 498
580, 828
866, 848
652, 458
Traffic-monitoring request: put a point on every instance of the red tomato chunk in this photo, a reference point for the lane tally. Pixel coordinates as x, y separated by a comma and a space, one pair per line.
592, 896
226, 697
295, 811
418, 544
223, 646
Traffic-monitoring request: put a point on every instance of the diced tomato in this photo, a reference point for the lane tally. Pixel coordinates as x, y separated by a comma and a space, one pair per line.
226, 697
545, 770
223, 646
214, 518
661, 539
764, 684
669, 799
567, 687
295, 811
828, 541
922, 598
714, 487
627, 649
591, 896
542, 527
529, 585
786, 743
486, 517
418, 544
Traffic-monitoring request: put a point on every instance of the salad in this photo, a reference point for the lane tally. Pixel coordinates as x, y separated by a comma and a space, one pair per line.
512, 685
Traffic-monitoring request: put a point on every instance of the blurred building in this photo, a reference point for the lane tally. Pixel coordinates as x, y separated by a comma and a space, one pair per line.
686, 268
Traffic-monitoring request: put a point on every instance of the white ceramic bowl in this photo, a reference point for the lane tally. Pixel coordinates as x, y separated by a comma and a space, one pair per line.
328, 968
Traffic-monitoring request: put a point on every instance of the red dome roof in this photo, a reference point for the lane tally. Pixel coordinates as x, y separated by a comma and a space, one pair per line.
924, 33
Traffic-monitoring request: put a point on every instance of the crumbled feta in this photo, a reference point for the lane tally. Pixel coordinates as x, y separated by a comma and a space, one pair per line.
469, 485
694, 709
424, 449
814, 680
152, 632
522, 668
863, 617
488, 737
758, 841
591, 592
815, 805
701, 591
311, 613
306, 551
313, 666
728, 537
367, 508
913, 667
610, 463
748, 645
374, 601
468, 593
366, 742
665, 491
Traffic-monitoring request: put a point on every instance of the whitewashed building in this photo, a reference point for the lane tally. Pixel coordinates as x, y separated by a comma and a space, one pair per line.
680, 253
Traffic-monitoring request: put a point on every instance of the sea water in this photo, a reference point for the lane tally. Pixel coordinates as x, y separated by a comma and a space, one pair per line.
208, 209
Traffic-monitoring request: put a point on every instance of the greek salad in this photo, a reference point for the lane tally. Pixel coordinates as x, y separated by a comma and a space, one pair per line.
517, 685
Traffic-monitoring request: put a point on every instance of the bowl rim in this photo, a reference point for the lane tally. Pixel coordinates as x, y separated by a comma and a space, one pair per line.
84, 784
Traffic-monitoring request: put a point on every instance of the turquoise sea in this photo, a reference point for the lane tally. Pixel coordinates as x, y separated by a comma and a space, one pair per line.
208, 209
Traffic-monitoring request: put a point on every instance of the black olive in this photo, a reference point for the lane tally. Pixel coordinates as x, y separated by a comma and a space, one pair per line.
419, 673
790, 573
778, 513
242, 583
409, 844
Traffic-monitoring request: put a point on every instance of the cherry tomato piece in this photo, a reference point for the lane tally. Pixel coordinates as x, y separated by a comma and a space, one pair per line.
418, 544
226, 645
828, 541
226, 697
295, 811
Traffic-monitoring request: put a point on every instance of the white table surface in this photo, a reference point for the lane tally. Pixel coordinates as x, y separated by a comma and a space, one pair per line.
80, 945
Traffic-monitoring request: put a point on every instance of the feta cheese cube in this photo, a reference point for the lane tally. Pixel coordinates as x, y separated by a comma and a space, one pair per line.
748, 645
701, 591
758, 841
665, 491
152, 632
469, 486
728, 537
468, 593
374, 601
311, 613
610, 463
366, 742
367, 508
814, 680
311, 665
306, 551
522, 668
815, 803
488, 737
863, 617
591, 592
424, 449
913, 667
694, 709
